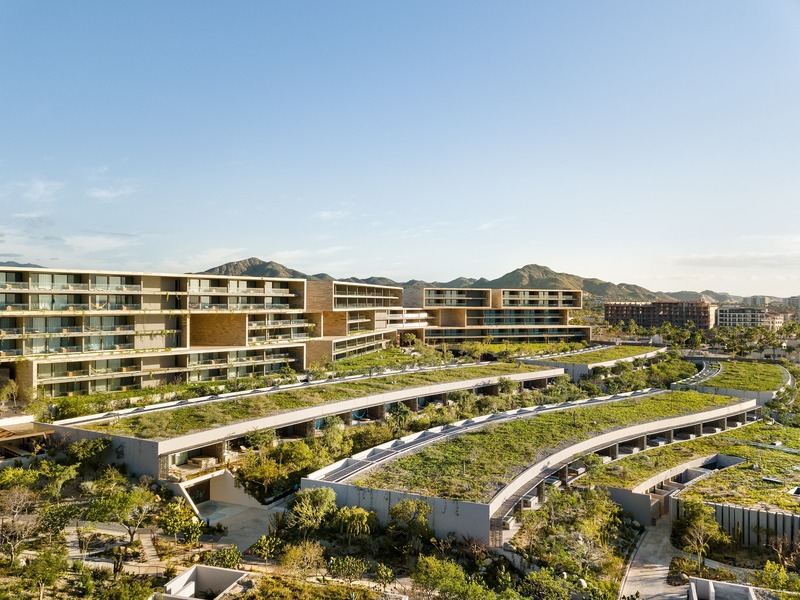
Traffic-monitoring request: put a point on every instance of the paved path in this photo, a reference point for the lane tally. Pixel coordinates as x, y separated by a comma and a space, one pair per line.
650, 565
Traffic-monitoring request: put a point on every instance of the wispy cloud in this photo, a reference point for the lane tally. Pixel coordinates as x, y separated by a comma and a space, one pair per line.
330, 215
493, 223
10, 255
100, 242
111, 193
34, 219
40, 190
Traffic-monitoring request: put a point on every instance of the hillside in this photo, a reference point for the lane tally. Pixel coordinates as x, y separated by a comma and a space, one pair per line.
529, 276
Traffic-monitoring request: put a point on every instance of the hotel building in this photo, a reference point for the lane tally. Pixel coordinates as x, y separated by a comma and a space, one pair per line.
69, 332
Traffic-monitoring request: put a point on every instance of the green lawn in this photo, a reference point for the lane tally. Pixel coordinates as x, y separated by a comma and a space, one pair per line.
606, 354
209, 415
741, 485
747, 376
475, 466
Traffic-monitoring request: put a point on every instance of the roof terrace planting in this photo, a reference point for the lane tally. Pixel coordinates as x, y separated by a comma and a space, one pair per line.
748, 376
605, 354
743, 484
476, 465
181, 421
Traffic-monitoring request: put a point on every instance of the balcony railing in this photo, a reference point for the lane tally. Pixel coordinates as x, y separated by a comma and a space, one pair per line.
11, 352
59, 286
256, 324
10, 331
278, 292
208, 305
14, 285
208, 290
115, 287
65, 374
12, 306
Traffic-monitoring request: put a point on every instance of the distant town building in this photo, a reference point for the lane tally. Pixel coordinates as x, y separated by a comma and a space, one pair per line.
751, 316
793, 302
745, 316
757, 300
657, 313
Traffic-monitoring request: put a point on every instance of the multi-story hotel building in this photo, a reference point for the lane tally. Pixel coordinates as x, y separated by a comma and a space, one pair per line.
68, 332
457, 315
75, 332
656, 314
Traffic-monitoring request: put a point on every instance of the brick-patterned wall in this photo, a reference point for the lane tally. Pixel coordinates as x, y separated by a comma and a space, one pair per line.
218, 330
318, 350
335, 324
319, 295
453, 317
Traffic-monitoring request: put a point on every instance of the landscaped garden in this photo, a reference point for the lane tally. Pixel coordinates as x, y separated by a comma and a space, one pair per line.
475, 466
743, 484
181, 421
605, 354
748, 376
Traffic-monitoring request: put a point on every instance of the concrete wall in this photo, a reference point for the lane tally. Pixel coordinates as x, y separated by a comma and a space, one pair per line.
751, 526
447, 516
638, 505
705, 589
141, 456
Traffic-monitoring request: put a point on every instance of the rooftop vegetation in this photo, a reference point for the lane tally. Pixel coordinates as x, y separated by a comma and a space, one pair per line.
475, 466
748, 376
606, 354
181, 421
742, 484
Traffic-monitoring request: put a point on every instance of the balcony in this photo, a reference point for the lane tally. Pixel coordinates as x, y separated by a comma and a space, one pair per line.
278, 292
277, 306
246, 306
10, 331
109, 306
208, 290
248, 291
208, 305
256, 324
64, 374
10, 306
115, 287
14, 285
60, 286
11, 352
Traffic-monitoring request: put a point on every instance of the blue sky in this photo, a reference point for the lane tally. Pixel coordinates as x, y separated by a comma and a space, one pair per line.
648, 143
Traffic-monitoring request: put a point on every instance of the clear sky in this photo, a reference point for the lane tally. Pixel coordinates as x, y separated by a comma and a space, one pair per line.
655, 143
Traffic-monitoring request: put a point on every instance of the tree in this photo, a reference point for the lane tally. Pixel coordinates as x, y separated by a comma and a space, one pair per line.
700, 529
47, 567
88, 453
129, 508
15, 525
227, 557
353, 521
384, 575
54, 518
399, 416
311, 508
304, 558
347, 568
9, 393
410, 518
57, 475
175, 518
435, 578
266, 547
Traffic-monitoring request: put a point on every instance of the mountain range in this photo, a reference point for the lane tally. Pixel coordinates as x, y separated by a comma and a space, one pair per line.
529, 276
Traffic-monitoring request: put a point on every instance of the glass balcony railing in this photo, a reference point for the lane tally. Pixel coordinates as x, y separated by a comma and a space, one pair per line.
11, 352
10, 331
208, 290
59, 286
14, 285
115, 287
